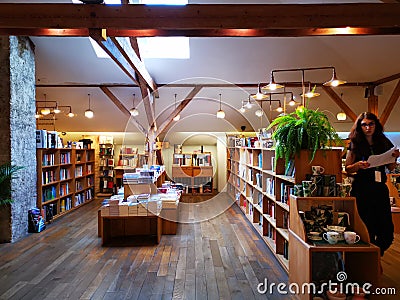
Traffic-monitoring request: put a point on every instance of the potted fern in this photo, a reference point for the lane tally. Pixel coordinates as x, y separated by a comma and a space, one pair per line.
7, 173
302, 129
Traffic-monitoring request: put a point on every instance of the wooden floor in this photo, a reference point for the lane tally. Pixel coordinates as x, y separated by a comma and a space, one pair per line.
221, 257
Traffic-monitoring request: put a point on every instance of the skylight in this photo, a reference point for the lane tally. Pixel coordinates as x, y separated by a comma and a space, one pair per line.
154, 47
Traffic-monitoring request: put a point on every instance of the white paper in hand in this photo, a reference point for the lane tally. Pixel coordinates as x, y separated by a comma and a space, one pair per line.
382, 159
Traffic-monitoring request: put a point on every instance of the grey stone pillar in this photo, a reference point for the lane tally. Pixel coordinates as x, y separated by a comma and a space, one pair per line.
17, 131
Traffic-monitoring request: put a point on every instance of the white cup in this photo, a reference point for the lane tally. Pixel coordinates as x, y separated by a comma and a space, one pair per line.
317, 170
351, 237
332, 237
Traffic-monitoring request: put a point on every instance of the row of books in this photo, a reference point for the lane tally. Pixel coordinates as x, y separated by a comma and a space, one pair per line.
128, 162
106, 162
65, 204
109, 151
64, 174
48, 139
78, 171
48, 176
48, 159
49, 193
64, 189
65, 157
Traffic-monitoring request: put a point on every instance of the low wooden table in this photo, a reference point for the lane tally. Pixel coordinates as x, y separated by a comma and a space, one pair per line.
129, 230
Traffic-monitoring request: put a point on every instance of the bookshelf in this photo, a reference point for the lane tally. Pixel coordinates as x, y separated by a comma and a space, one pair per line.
106, 169
194, 171
260, 185
65, 179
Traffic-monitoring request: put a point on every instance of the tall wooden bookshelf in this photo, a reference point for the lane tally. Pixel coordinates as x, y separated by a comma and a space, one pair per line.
106, 169
65, 179
260, 188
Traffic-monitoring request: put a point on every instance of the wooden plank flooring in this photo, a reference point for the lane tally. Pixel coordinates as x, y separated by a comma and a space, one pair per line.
219, 257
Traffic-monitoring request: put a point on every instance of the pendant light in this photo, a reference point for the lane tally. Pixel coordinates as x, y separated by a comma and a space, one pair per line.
249, 105
134, 112
70, 114
311, 92
89, 113
45, 110
178, 116
242, 109
37, 115
341, 116
272, 85
260, 112
56, 110
334, 81
259, 95
220, 112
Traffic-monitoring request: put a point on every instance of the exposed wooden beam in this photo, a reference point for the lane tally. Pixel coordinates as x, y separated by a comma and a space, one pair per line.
202, 19
124, 46
338, 100
387, 79
389, 106
113, 51
123, 109
178, 109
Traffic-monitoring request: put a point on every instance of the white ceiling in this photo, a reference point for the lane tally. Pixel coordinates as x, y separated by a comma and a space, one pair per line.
214, 60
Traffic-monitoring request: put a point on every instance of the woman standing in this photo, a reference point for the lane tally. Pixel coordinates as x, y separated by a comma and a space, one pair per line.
369, 185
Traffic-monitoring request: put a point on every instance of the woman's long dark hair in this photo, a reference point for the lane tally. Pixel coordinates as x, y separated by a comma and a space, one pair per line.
359, 143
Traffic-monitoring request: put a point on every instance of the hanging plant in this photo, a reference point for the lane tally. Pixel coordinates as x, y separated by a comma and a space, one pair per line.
302, 129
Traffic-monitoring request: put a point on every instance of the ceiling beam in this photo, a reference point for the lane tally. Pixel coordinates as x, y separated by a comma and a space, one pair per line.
130, 55
339, 101
386, 79
201, 19
390, 104
178, 109
123, 109
108, 45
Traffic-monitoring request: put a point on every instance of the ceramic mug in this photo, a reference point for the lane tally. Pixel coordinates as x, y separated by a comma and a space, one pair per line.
351, 237
298, 190
332, 237
317, 170
344, 189
309, 188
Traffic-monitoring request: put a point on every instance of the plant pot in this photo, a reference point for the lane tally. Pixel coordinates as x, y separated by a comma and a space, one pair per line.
5, 223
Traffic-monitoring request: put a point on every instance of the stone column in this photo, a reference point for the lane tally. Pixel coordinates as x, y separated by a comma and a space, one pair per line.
17, 131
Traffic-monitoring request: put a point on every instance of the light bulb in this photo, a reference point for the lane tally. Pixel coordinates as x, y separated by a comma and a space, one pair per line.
341, 116
71, 114
242, 109
37, 115
134, 112
45, 111
177, 118
220, 114
259, 113
89, 114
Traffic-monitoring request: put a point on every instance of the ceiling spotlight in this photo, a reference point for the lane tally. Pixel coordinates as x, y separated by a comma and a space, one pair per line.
134, 112
220, 112
89, 113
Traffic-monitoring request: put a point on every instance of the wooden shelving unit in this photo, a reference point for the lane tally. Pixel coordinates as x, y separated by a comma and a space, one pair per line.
194, 171
65, 179
260, 188
360, 261
106, 169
